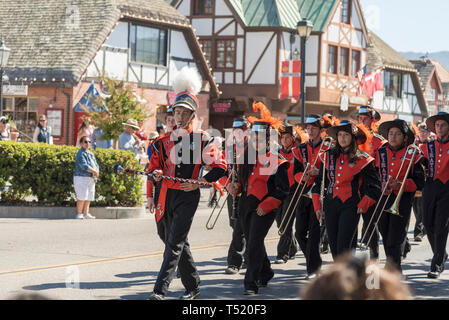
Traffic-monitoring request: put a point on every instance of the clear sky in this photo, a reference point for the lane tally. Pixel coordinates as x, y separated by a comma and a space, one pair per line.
409, 25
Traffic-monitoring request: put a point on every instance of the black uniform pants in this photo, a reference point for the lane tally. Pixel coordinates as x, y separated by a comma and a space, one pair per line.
393, 228
256, 228
308, 234
341, 223
418, 210
287, 245
436, 221
237, 252
180, 207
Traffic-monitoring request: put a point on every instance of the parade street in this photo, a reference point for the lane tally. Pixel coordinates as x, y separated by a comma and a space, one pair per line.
120, 259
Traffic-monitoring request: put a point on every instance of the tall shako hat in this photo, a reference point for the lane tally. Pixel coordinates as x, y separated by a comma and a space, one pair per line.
350, 127
187, 84
385, 127
369, 111
313, 119
239, 122
286, 128
430, 122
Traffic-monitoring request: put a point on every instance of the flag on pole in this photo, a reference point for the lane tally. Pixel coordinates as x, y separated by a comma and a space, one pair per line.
361, 77
373, 82
290, 79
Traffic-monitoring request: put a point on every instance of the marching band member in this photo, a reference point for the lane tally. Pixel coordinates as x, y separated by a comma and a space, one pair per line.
436, 191
287, 245
368, 117
392, 227
177, 201
419, 231
263, 186
352, 186
307, 225
237, 253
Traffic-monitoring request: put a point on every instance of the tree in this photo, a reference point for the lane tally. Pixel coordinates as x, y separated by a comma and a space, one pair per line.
119, 105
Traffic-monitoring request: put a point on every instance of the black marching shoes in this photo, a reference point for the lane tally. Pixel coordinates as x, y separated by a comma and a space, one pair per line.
191, 295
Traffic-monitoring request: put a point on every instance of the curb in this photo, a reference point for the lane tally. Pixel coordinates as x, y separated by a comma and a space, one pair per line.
70, 212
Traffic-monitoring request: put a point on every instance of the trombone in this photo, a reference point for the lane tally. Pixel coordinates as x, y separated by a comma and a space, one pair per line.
210, 226
289, 215
394, 209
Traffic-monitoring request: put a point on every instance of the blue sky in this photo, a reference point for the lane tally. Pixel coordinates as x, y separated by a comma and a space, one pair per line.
410, 25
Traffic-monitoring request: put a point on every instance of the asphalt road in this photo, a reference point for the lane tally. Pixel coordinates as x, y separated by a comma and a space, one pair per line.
120, 259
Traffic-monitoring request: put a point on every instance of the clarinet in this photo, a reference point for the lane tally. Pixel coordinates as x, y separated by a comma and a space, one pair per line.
233, 179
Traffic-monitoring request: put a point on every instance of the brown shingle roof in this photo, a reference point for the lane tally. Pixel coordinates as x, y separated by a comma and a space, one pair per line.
59, 38
381, 54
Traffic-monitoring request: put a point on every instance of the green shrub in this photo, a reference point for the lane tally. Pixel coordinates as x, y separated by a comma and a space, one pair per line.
46, 172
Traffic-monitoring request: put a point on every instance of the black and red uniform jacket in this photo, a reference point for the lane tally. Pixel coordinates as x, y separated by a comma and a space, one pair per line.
437, 154
267, 182
295, 166
183, 158
308, 153
388, 162
345, 179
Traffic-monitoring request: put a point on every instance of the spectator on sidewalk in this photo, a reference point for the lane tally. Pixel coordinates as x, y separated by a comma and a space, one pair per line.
85, 130
84, 179
98, 142
42, 133
128, 139
5, 134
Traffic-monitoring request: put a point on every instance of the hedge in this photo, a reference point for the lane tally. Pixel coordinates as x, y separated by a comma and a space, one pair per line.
46, 172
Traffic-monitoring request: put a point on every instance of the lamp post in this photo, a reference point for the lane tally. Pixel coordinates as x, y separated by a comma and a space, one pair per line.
4, 56
304, 29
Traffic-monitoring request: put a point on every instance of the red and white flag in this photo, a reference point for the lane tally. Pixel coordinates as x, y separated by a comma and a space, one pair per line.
290, 79
361, 77
373, 82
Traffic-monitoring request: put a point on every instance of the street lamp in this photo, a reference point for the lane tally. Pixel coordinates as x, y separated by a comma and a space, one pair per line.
304, 30
4, 56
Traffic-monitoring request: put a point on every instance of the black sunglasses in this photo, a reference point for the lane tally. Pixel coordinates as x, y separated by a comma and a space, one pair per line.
4, 121
87, 141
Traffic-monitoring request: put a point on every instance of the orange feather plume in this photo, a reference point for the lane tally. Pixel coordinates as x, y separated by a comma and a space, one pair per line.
366, 147
302, 134
265, 115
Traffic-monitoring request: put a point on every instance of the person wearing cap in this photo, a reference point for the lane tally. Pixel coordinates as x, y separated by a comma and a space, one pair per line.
419, 232
170, 124
348, 170
368, 117
182, 154
287, 245
234, 148
263, 186
436, 191
5, 134
390, 157
307, 226
128, 139
170, 120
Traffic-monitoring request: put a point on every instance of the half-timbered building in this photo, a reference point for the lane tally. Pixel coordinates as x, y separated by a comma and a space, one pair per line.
402, 95
62, 46
245, 43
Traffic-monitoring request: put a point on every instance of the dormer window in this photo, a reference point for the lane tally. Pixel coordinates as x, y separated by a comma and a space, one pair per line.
346, 11
203, 7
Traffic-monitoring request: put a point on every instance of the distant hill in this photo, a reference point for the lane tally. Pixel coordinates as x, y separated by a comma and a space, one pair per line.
441, 56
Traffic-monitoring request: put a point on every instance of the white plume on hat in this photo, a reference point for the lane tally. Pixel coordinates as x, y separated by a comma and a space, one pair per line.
188, 79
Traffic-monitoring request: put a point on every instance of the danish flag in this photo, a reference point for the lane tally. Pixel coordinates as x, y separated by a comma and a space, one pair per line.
373, 82
290, 79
